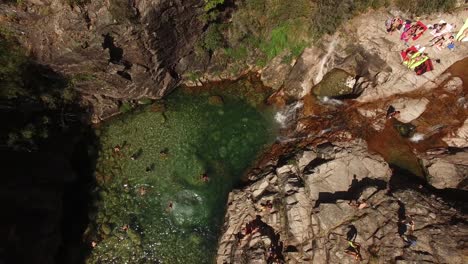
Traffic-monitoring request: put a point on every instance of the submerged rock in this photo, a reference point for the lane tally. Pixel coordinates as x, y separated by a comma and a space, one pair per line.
216, 100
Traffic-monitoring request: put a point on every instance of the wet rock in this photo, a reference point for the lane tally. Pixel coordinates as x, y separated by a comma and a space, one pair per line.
216, 100
335, 83
454, 84
106, 229
404, 129
134, 236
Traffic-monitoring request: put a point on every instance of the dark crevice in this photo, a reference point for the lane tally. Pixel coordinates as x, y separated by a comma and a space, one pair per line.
353, 193
314, 164
402, 179
115, 53
124, 75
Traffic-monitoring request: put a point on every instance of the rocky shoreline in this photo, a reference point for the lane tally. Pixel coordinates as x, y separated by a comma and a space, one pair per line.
344, 182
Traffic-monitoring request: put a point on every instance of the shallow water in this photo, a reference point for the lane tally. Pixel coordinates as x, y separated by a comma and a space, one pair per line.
156, 207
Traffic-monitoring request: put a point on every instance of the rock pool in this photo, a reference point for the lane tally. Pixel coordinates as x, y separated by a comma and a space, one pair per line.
164, 172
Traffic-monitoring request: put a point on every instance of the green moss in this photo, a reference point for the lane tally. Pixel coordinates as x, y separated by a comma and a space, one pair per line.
125, 107
333, 84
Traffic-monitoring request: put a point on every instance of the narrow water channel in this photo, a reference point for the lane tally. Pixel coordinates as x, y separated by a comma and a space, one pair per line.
164, 172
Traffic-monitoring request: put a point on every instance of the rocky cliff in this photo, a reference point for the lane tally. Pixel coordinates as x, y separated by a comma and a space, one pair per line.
306, 205
344, 182
349, 183
112, 50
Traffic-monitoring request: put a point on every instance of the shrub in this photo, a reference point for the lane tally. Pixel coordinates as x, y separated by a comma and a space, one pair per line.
125, 107
212, 4
212, 39
419, 7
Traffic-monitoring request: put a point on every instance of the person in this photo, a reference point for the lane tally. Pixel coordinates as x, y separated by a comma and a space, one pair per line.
393, 24
204, 177
451, 43
392, 112
406, 229
164, 153
170, 206
354, 249
142, 190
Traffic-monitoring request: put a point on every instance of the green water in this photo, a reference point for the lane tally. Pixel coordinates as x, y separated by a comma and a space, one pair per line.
173, 146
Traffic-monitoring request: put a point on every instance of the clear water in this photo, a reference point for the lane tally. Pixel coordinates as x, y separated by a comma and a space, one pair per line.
156, 208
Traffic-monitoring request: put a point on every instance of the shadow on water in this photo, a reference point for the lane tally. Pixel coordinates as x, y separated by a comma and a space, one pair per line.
47, 164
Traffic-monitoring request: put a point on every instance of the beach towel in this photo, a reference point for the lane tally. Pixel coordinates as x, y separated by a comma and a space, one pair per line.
424, 67
462, 29
448, 28
405, 30
420, 32
404, 53
417, 59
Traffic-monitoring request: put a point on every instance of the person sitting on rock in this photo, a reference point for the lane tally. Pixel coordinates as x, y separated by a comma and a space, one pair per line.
392, 112
354, 249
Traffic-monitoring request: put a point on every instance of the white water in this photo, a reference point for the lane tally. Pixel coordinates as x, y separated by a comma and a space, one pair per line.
330, 101
324, 60
284, 116
417, 137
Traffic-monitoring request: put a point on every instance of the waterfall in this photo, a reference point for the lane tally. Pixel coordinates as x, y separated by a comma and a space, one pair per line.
330, 101
417, 137
286, 115
323, 61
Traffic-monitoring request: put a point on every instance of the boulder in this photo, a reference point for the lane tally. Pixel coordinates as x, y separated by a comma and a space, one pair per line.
410, 109
459, 138
335, 83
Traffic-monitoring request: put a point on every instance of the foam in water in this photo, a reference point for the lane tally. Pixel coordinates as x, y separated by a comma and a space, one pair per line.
417, 137
287, 114
330, 101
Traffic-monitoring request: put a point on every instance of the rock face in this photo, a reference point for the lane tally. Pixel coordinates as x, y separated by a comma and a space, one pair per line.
302, 206
363, 47
448, 171
459, 138
113, 50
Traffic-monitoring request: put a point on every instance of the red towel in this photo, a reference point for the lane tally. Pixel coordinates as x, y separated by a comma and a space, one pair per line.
424, 28
404, 53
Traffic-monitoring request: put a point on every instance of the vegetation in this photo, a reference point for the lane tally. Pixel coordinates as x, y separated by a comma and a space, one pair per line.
35, 102
260, 30
419, 7
212, 38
